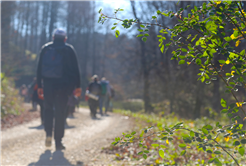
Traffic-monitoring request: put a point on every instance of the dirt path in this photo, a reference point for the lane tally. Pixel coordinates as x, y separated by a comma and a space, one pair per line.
84, 139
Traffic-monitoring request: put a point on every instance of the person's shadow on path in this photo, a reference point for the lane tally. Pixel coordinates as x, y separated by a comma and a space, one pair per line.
40, 127
55, 159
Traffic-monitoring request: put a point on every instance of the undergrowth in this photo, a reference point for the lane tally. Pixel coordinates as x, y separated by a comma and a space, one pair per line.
146, 147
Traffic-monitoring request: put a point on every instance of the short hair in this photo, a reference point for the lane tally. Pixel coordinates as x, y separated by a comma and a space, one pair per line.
94, 77
59, 34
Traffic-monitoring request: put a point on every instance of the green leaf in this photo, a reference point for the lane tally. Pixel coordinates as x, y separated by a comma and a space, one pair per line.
223, 102
242, 53
162, 48
154, 17
217, 152
155, 145
142, 26
241, 151
146, 151
222, 61
198, 61
236, 143
140, 35
193, 38
161, 153
183, 152
117, 33
140, 30
205, 131
113, 28
217, 162
224, 111
243, 141
209, 127
192, 134
203, 78
181, 62
145, 156
195, 8
182, 145
209, 151
228, 39
211, 160
134, 132
146, 34
144, 39
183, 50
141, 152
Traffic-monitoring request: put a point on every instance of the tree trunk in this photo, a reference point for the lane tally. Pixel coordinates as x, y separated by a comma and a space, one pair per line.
146, 96
53, 17
199, 99
216, 95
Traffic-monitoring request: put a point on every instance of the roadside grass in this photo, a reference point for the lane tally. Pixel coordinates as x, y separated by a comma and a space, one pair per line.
176, 152
83, 104
11, 101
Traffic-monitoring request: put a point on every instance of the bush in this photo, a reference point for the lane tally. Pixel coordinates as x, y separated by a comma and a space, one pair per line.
134, 105
10, 98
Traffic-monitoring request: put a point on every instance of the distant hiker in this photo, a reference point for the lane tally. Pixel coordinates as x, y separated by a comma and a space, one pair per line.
58, 69
33, 89
24, 92
110, 107
38, 99
30, 92
73, 100
93, 93
105, 96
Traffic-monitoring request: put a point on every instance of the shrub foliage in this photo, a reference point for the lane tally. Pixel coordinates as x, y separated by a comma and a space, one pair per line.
209, 34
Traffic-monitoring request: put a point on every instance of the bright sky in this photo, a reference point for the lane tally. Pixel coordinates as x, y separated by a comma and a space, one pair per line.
123, 4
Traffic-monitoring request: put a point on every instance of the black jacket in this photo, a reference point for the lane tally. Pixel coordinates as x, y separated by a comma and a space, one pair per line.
71, 74
95, 88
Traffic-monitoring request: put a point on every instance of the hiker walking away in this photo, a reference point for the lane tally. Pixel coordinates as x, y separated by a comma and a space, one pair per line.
110, 107
59, 71
30, 92
23, 92
93, 93
73, 100
105, 96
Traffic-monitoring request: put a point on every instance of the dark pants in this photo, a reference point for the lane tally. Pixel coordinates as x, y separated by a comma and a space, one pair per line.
55, 102
41, 105
104, 102
93, 104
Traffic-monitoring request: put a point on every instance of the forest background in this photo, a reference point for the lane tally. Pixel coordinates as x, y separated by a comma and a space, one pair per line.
136, 69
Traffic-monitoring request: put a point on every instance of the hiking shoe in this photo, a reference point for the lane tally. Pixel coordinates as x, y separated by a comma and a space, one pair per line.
60, 147
48, 141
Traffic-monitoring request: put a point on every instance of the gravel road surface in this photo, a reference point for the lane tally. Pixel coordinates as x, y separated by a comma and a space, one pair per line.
84, 139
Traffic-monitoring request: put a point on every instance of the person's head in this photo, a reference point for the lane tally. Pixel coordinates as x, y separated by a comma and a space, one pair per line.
94, 78
103, 79
59, 34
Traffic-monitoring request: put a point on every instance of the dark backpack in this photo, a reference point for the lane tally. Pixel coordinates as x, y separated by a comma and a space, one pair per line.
95, 88
52, 63
104, 88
